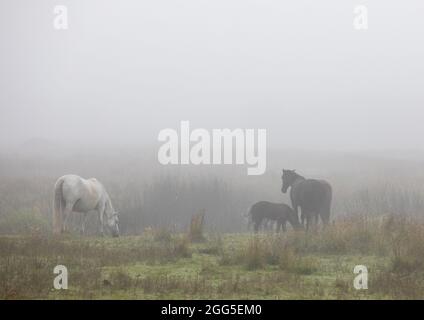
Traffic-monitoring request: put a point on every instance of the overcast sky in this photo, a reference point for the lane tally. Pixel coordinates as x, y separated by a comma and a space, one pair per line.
126, 69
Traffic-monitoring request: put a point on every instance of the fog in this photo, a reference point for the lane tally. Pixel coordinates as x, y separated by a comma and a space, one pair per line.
95, 143
125, 70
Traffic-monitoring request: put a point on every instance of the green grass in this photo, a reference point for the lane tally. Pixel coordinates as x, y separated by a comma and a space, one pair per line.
229, 266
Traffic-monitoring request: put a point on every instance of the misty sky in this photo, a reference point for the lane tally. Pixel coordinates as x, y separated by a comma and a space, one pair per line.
126, 69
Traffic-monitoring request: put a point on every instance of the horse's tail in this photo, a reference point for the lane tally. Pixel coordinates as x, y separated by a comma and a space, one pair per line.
58, 204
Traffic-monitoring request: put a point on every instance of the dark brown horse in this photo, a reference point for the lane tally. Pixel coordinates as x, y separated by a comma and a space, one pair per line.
312, 196
267, 211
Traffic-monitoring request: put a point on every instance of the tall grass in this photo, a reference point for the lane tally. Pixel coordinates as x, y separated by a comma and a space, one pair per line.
222, 265
166, 197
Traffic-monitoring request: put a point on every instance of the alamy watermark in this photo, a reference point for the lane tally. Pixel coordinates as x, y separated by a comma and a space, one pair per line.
361, 280
61, 280
360, 19
60, 19
220, 146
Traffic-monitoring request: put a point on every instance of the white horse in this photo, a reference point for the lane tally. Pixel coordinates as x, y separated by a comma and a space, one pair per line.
73, 193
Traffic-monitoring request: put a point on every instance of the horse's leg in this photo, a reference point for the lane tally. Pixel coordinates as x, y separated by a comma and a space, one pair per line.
312, 220
66, 213
268, 225
325, 215
83, 220
303, 217
256, 227
257, 224
308, 221
296, 210
277, 229
294, 203
283, 225
101, 211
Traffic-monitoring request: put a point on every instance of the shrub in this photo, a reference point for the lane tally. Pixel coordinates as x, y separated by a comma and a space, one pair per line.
195, 232
254, 254
406, 240
162, 234
182, 247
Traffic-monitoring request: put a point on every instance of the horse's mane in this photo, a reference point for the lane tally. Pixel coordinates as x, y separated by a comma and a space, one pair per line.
299, 176
108, 200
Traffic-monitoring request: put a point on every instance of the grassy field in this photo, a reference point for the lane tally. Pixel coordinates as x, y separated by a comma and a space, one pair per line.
162, 265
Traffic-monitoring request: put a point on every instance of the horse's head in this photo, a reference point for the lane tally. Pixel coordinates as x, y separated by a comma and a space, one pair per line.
288, 177
113, 223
